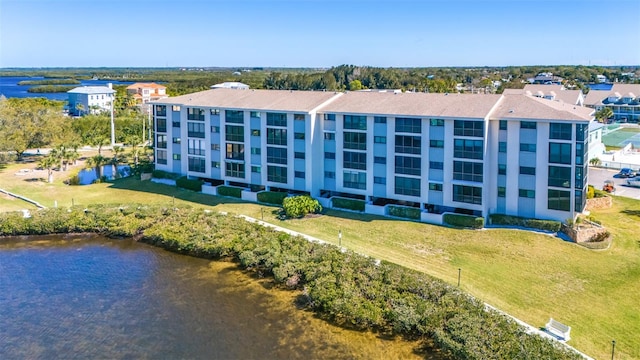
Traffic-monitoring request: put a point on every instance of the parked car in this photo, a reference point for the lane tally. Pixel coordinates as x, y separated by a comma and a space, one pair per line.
626, 173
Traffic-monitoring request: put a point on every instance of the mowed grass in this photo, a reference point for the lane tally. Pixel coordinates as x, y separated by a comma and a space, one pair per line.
531, 276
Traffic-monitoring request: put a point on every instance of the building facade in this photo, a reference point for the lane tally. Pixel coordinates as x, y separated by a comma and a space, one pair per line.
90, 99
462, 153
145, 92
622, 99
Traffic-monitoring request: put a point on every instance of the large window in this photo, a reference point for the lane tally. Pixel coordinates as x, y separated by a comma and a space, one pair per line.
559, 153
560, 131
196, 164
408, 144
559, 200
468, 128
276, 155
560, 176
407, 186
161, 110
195, 130
355, 122
234, 133
234, 169
161, 157
468, 149
354, 160
276, 119
409, 125
408, 165
234, 116
354, 179
195, 114
355, 140
161, 125
467, 194
277, 174
467, 171
195, 147
276, 136
235, 151
161, 141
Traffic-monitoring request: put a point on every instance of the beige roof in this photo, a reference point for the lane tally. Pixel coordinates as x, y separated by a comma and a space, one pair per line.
414, 104
558, 91
276, 100
529, 107
595, 97
146, 86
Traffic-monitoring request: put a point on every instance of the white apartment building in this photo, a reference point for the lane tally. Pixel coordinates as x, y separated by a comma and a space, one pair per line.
90, 99
461, 153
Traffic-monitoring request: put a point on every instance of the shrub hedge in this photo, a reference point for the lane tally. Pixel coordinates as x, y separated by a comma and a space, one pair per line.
465, 221
508, 220
301, 205
404, 212
344, 287
231, 191
189, 184
160, 174
349, 204
271, 197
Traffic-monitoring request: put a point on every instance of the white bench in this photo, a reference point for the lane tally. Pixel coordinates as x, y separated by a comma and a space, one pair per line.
559, 330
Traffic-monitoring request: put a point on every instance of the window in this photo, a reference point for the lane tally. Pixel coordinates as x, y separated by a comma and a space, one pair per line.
329, 136
379, 160
175, 124
195, 114
354, 160
502, 146
330, 117
354, 179
215, 111
215, 164
161, 157
330, 174
234, 116
380, 139
467, 194
560, 131
468, 128
525, 170
176, 156
436, 144
277, 174
379, 180
560, 176
215, 129
559, 200
276, 136
161, 125
408, 165
235, 152
559, 153
355, 140
435, 186
355, 122
408, 144
255, 151
582, 132
298, 136
503, 125
195, 147
436, 122
380, 119
254, 114
176, 140
524, 193
175, 108
528, 147
195, 130
468, 149
234, 169
276, 155
329, 155
467, 171
298, 174
528, 125
408, 125
299, 155
161, 110
436, 165
407, 186
502, 191
255, 169
276, 119
299, 117
196, 164
161, 141
215, 147
255, 132
502, 169
234, 133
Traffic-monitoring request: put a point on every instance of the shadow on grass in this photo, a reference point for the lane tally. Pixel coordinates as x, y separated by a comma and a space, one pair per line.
631, 212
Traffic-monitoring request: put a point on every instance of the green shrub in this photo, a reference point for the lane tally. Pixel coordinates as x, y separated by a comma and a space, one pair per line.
74, 178
349, 204
508, 220
299, 206
231, 191
466, 221
160, 174
591, 192
404, 212
189, 184
272, 197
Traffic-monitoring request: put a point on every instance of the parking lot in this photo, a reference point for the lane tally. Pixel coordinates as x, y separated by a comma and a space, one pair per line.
597, 177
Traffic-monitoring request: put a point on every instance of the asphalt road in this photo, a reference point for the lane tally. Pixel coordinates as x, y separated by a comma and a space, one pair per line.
597, 177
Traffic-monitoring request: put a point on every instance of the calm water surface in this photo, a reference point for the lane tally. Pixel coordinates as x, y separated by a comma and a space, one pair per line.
76, 297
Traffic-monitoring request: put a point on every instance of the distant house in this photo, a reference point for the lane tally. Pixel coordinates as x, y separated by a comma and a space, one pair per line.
623, 99
551, 92
601, 78
596, 147
145, 92
90, 99
230, 85
546, 78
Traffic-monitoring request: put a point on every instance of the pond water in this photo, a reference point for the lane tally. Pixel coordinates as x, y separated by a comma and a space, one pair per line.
86, 298
88, 176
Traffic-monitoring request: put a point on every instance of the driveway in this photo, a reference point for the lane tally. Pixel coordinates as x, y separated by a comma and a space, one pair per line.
597, 176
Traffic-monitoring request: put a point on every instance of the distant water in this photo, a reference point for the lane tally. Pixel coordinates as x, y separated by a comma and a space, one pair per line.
600, 86
88, 176
9, 87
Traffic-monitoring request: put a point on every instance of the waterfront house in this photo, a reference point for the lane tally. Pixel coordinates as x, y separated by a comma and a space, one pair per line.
145, 92
90, 99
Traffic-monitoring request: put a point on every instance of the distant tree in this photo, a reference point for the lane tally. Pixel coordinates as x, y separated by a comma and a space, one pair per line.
96, 162
603, 114
355, 85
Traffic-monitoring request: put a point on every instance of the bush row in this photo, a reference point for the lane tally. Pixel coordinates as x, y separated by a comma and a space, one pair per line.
271, 197
189, 184
404, 212
465, 221
508, 220
349, 204
231, 191
160, 174
343, 287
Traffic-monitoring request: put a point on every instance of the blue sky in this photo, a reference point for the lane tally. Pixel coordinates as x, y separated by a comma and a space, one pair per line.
318, 33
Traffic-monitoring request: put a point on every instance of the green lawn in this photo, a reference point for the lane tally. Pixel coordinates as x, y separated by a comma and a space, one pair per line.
529, 275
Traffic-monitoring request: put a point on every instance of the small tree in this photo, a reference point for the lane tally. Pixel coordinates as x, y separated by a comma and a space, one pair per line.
594, 161
299, 206
603, 114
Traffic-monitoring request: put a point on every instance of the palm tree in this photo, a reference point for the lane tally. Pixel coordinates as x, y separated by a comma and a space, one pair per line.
97, 162
48, 162
118, 158
603, 114
79, 108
